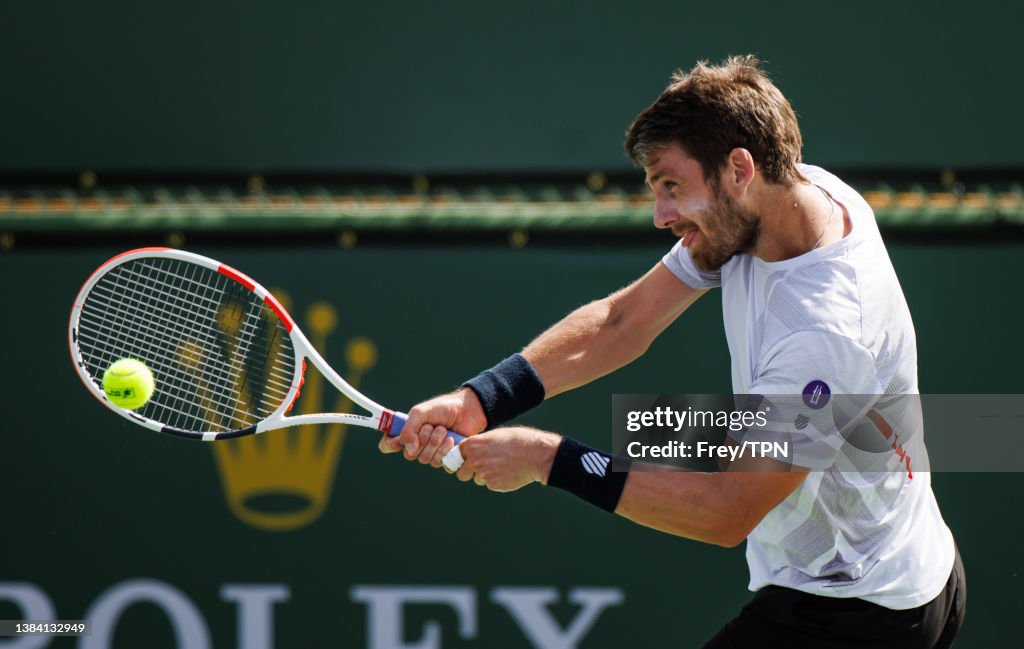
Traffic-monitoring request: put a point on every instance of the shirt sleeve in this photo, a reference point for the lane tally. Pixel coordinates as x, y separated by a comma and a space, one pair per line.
678, 261
815, 387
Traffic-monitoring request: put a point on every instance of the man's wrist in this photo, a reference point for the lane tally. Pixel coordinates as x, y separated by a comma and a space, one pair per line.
507, 390
547, 448
588, 474
472, 410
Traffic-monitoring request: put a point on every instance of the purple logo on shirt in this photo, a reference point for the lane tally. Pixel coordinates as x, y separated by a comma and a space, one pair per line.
816, 395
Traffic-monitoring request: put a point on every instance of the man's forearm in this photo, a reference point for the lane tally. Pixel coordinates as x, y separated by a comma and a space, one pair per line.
720, 508
687, 504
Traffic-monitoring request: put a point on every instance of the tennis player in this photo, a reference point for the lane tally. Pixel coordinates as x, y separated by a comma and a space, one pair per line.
840, 554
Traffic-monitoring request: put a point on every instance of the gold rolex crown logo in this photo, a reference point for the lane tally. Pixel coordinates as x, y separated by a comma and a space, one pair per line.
282, 481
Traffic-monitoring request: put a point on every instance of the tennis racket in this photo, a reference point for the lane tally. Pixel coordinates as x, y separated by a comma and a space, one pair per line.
226, 357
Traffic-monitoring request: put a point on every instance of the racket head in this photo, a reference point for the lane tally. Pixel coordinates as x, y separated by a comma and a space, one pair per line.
223, 351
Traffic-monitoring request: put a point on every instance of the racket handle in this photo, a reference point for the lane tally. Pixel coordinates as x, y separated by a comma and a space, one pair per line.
399, 424
452, 461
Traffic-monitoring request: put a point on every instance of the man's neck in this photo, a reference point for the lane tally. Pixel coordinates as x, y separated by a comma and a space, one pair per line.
795, 220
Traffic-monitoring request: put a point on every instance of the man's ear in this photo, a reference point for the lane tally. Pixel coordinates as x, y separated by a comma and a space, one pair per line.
739, 171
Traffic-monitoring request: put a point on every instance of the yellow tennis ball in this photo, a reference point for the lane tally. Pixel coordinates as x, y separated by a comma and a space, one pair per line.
128, 383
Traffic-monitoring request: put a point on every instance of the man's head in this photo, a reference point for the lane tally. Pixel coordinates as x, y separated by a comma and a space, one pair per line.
702, 143
714, 109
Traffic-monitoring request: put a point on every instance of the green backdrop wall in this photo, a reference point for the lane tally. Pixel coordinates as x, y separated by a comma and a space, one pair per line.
463, 85
102, 518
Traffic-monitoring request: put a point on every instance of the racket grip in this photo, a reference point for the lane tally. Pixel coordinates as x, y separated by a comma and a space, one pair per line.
399, 424
452, 461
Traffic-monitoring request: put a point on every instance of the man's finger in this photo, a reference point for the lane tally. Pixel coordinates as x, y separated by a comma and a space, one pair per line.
465, 473
410, 434
389, 444
447, 444
412, 444
431, 443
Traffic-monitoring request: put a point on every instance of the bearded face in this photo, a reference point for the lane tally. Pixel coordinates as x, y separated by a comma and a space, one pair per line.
724, 229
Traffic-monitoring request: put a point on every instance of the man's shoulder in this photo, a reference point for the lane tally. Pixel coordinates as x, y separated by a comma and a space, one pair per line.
824, 291
824, 296
837, 187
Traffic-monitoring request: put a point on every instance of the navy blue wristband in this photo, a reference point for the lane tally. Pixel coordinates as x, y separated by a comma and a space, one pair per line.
588, 473
507, 390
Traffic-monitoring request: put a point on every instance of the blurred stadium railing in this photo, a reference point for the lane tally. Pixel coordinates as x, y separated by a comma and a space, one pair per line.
588, 203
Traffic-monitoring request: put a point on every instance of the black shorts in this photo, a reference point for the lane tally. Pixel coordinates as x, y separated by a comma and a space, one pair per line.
783, 617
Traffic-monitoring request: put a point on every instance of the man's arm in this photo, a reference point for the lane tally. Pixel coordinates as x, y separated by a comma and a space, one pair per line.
590, 342
720, 508
607, 334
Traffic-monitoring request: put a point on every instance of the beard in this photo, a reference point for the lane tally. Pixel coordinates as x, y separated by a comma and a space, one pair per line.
728, 230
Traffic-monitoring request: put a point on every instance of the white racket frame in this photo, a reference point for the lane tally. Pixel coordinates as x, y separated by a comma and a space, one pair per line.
380, 418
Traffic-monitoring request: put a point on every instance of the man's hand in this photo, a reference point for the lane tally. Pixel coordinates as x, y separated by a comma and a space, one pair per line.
425, 434
506, 459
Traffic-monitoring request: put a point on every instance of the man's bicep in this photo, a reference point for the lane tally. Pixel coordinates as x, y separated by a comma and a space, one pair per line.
602, 336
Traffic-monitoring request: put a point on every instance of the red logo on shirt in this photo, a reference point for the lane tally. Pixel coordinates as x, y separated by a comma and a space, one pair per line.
894, 439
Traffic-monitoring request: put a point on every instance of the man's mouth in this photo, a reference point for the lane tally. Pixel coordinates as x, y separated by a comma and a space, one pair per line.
689, 236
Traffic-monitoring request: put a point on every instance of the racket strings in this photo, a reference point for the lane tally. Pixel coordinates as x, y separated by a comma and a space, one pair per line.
144, 343
232, 364
220, 358
146, 337
190, 353
150, 347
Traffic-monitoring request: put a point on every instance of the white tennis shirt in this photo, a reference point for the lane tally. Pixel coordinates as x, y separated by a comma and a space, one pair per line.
830, 323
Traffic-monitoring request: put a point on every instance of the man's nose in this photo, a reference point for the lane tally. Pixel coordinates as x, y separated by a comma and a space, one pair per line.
664, 213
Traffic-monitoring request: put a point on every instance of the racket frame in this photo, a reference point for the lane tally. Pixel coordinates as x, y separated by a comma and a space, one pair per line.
380, 418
